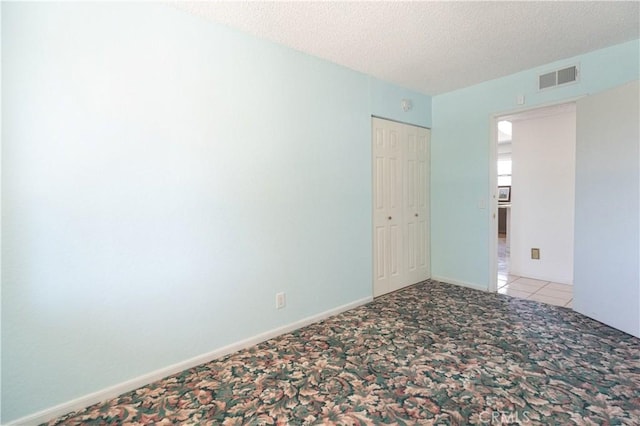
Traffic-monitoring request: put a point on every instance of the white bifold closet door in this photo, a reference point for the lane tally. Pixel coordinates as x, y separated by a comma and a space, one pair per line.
400, 205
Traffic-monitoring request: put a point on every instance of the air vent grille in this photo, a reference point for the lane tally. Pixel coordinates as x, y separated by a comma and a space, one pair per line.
548, 80
558, 77
567, 75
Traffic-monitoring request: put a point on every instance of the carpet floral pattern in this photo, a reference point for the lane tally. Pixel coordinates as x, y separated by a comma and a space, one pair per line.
431, 354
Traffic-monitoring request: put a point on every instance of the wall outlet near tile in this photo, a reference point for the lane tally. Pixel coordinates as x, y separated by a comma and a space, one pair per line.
281, 300
535, 253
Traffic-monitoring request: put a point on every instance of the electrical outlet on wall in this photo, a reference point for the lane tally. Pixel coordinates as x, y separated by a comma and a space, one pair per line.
535, 253
281, 300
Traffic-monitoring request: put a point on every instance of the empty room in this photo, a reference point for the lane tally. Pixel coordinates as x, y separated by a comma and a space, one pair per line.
292, 213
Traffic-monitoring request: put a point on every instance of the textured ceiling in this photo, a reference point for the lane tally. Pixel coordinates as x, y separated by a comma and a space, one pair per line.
433, 47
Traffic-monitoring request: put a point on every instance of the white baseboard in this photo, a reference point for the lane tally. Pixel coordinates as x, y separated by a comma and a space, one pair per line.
113, 391
460, 283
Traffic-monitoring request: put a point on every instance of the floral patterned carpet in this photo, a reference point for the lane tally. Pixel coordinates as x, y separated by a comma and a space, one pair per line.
431, 354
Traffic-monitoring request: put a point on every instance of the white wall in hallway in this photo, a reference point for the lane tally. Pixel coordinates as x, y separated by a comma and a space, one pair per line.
543, 194
607, 243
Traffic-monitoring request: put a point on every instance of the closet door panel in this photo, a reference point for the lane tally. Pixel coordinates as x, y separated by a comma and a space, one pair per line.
400, 205
387, 202
416, 207
423, 178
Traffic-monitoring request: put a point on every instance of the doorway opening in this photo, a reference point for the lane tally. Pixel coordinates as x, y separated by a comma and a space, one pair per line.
534, 203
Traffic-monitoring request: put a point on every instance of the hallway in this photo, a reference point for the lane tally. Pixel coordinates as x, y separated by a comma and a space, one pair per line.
529, 288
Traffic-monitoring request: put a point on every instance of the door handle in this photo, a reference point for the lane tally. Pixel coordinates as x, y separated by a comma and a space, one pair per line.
389, 217
416, 214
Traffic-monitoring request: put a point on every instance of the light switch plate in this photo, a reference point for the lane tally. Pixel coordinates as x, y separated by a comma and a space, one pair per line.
281, 300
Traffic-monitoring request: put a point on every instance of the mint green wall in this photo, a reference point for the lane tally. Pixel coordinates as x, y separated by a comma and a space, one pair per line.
460, 153
162, 178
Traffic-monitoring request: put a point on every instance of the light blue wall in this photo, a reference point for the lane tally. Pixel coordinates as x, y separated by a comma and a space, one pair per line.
460, 153
163, 178
386, 101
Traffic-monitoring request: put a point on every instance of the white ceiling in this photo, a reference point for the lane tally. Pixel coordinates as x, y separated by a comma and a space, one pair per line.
433, 46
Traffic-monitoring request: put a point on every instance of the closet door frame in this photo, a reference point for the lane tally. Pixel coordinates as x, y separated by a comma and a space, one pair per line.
399, 151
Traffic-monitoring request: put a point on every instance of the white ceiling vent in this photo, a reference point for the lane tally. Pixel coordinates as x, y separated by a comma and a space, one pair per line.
558, 78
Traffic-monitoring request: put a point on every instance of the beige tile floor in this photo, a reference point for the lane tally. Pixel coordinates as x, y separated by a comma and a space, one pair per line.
541, 291
528, 288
